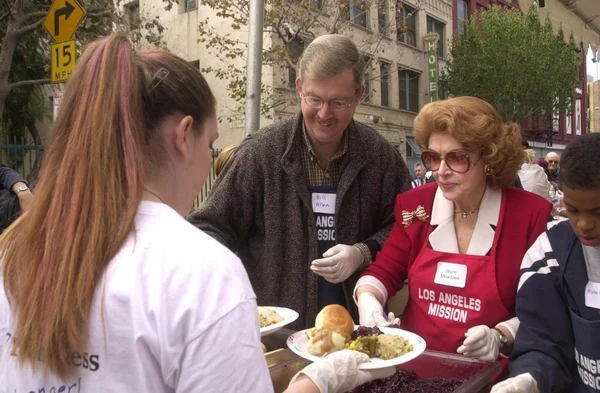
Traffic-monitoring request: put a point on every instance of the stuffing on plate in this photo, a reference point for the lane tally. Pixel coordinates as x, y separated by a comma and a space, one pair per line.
268, 317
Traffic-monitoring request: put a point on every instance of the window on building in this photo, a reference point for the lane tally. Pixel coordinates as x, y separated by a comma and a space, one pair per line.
385, 79
382, 15
409, 90
435, 26
295, 47
368, 76
463, 16
406, 22
412, 149
132, 15
357, 13
191, 5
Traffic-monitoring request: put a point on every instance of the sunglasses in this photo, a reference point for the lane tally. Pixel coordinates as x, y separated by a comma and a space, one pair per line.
458, 161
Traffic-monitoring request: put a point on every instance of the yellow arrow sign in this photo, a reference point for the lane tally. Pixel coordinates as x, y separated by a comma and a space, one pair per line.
63, 19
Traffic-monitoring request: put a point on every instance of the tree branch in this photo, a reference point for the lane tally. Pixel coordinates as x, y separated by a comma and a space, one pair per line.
37, 14
35, 82
28, 28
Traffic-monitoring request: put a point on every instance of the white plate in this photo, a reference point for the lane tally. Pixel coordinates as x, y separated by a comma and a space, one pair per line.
298, 343
288, 316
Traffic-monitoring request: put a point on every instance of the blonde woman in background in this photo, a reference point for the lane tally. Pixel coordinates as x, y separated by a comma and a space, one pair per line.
532, 176
224, 157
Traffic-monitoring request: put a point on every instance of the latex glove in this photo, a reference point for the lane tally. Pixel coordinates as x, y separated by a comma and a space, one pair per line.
338, 372
338, 264
370, 312
480, 343
522, 383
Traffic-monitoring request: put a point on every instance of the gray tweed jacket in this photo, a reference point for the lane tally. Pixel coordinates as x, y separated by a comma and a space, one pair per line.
260, 206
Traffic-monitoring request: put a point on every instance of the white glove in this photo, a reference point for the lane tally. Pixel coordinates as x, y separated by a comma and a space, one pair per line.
338, 264
480, 343
522, 383
370, 312
339, 372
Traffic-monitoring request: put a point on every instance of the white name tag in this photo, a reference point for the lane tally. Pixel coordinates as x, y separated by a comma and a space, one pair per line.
451, 274
592, 295
323, 203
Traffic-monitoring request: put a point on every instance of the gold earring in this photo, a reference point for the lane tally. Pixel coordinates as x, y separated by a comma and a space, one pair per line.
488, 170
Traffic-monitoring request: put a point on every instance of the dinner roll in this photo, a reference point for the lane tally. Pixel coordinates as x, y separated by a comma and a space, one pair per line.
336, 318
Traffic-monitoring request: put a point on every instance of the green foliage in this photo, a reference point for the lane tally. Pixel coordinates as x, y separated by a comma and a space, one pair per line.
514, 62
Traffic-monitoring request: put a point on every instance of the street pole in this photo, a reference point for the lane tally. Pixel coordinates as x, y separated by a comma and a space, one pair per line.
253, 76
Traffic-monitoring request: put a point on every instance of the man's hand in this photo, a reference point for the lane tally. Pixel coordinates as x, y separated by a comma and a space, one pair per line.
338, 264
523, 383
480, 343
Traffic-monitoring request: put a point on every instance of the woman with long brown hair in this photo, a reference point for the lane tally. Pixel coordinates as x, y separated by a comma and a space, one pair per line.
106, 288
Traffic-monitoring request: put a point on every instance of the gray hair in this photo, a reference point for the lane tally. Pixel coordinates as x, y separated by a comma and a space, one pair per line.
328, 56
419, 165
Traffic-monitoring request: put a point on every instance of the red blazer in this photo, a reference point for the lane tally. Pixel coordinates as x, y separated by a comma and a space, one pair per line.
525, 218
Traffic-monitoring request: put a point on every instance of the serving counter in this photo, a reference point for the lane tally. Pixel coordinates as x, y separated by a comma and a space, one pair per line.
477, 376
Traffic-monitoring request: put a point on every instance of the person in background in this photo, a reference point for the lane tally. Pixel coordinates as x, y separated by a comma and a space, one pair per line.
15, 196
223, 158
532, 176
308, 201
420, 172
105, 286
459, 242
12, 182
558, 303
553, 161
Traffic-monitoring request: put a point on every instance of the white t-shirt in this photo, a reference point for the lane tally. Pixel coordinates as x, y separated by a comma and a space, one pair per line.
179, 315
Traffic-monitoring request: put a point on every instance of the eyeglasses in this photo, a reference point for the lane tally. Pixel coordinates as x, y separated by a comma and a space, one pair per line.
458, 161
334, 105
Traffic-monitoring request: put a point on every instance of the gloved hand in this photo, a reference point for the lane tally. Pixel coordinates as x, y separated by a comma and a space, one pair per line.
522, 383
338, 264
480, 343
370, 312
339, 372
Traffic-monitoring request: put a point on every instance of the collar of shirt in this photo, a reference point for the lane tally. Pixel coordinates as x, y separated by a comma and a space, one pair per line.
443, 238
340, 152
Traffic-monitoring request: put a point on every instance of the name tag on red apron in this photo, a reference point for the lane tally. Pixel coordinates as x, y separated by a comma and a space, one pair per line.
451, 274
592, 295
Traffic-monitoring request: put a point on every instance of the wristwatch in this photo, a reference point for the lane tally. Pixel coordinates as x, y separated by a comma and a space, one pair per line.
501, 337
22, 188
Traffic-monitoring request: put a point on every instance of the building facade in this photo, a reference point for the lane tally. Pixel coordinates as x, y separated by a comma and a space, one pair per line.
390, 33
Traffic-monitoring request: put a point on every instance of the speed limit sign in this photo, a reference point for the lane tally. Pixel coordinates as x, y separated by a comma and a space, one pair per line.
63, 60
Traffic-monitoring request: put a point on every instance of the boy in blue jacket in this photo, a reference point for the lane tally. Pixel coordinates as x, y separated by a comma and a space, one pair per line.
557, 348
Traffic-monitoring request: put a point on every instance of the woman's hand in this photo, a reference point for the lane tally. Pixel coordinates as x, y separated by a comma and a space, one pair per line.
336, 373
371, 313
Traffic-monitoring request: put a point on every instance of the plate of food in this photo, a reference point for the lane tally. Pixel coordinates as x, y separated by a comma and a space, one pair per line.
334, 331
274, 318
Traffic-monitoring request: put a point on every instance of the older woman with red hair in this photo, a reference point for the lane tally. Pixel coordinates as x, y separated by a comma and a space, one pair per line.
459, 242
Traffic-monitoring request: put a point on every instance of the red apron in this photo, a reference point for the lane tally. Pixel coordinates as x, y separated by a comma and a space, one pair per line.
450, 293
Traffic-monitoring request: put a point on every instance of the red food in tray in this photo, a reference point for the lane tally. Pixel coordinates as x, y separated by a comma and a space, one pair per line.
406, 381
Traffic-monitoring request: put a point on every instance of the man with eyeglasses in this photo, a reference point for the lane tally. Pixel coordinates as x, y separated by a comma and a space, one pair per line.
553, 161
308, 201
